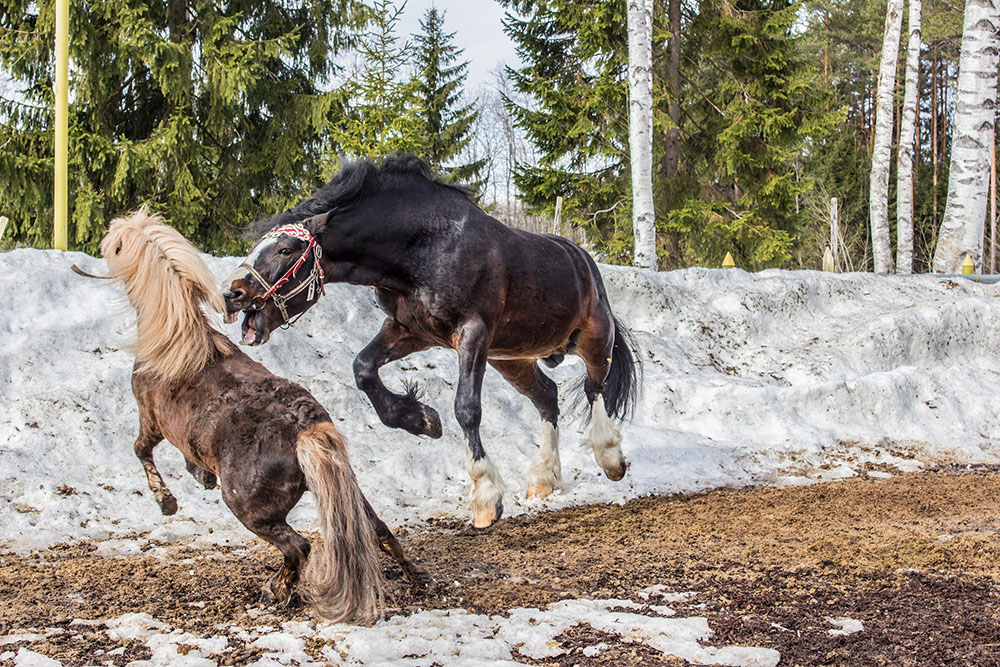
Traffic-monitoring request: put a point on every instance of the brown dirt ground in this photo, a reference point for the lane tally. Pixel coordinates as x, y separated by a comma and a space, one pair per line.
915, 557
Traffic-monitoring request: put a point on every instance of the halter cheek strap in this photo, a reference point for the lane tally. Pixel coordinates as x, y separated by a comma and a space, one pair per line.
315, 279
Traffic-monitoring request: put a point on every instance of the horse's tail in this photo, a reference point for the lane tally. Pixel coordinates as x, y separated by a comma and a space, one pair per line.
343, 578
622, 384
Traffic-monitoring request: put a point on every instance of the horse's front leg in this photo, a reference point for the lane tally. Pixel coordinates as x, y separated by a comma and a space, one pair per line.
204, 477
144, 444
403, 411
486, 497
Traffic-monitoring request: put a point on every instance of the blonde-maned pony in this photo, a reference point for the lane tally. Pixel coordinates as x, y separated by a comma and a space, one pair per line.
266, 438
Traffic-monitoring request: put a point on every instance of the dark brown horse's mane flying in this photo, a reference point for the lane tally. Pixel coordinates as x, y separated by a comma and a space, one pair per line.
354, 182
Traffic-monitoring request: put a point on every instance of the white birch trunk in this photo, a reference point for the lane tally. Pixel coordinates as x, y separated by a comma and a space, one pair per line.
968, 180
907, 134
878, 203
640, 129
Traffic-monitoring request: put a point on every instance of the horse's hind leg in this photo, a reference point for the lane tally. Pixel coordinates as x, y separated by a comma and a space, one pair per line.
486, 497
391, 546
594, 347
263, 510
148, 439
395, 410
524, 375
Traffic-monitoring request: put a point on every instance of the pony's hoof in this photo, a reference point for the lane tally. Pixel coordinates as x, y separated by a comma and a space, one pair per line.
419, 579
485, 518
540, 489
168, 505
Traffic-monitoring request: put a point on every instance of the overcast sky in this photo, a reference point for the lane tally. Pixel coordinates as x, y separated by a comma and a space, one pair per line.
477, 28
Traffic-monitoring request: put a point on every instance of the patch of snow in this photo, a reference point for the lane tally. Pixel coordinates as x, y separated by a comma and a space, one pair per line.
778, 377
26, 658
844, 626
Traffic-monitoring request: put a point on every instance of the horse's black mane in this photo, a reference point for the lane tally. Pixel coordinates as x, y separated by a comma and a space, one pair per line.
353, 182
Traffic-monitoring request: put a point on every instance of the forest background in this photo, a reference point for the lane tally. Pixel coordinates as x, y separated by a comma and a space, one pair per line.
219, 112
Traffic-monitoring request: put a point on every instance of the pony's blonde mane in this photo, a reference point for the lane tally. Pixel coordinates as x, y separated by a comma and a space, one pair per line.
166, 282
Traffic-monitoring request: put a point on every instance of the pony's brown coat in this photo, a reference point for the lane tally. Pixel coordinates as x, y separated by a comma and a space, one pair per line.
266, 438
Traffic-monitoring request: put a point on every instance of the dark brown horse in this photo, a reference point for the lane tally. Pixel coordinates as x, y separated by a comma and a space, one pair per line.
266, 439
447, 274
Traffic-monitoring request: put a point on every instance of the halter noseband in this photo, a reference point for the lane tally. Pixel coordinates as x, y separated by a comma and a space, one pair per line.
315, 276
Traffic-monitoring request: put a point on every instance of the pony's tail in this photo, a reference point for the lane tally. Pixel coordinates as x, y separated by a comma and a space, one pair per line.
622, 384
343, 578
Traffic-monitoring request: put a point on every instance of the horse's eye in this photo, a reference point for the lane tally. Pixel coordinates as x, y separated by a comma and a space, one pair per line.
118, 248
285, 251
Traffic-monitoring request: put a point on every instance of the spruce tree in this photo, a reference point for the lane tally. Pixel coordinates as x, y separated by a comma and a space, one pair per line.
385, 109
211, 112
446, 126
575, 76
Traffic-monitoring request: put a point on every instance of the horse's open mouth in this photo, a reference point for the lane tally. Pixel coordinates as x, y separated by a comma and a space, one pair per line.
254, 328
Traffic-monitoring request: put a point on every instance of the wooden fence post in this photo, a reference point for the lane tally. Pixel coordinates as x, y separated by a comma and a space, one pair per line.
834, 229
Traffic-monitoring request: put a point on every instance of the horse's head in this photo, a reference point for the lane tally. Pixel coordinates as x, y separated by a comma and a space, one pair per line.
278, 281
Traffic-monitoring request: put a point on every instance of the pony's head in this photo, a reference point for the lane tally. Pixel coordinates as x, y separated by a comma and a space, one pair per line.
280, 279
166, 282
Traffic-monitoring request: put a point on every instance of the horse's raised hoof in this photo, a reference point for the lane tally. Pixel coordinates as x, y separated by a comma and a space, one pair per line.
485, 518
615, 474
423, 420
168, 505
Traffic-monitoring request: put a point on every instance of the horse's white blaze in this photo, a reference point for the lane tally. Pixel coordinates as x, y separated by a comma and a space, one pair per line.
545, 475
240, 272
487, 490
605, 440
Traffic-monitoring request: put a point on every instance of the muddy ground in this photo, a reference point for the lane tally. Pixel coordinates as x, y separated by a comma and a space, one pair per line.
915, 557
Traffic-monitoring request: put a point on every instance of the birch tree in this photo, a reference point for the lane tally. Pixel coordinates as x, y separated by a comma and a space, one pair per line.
968, 180
904, 161
640, 122
878, 204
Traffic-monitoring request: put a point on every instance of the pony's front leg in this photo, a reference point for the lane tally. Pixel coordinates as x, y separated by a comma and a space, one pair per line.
403, 411
148, 439
486, 497
202, 476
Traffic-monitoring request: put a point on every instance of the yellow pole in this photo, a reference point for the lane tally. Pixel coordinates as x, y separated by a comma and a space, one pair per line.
727, 262
62, 124
968, 266
3, 225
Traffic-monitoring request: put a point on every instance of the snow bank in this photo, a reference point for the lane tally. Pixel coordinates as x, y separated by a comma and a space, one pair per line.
774, 377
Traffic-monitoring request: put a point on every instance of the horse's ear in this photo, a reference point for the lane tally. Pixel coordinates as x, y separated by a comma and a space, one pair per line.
317, 224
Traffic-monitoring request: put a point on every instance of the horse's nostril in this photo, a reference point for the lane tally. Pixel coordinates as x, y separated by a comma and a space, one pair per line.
234, 295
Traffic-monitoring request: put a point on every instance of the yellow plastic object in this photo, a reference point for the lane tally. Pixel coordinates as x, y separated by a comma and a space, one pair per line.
968, 266
728, 262
62, 125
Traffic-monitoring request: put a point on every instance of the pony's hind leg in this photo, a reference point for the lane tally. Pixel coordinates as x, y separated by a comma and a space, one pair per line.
391, 546
262, 509
486, 497
403, 411
545, 474
144, 444
595, 348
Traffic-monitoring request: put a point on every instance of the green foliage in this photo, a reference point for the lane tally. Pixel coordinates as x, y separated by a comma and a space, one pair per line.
750, 104
210, 112
385, 111
440, 87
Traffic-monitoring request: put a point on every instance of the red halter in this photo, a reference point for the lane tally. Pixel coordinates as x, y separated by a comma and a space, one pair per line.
316, 277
